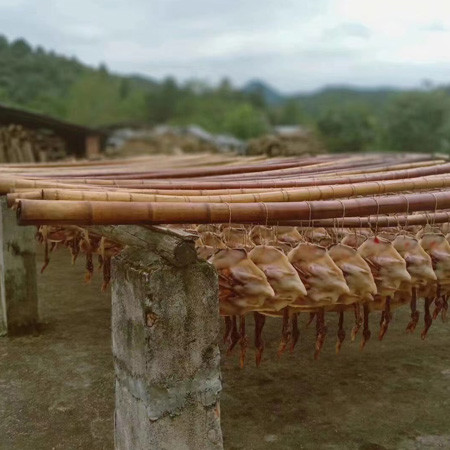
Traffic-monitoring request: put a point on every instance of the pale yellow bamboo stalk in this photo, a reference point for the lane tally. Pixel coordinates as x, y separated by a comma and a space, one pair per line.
294, 195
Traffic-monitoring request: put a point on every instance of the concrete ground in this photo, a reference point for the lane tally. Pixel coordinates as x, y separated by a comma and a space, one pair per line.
56, 389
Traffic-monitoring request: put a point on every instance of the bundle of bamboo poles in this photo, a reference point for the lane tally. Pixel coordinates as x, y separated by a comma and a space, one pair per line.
223, 189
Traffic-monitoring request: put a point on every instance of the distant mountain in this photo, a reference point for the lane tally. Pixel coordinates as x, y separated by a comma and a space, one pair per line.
270, 95
60, 86
316, 102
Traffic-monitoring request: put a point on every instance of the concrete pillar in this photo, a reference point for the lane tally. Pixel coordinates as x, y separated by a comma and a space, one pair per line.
165, 325
18, 288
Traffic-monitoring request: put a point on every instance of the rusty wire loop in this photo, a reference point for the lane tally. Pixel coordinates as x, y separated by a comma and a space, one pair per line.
407, 210
435, 207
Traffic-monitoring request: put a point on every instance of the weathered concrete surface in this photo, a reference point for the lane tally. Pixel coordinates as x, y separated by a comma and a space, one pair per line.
18, 288
165, 327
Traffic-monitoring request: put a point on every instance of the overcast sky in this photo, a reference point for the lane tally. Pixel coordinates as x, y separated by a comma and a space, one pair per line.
295, 45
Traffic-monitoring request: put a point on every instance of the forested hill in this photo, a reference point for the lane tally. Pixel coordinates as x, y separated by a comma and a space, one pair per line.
64, 87
346, 118
315, 103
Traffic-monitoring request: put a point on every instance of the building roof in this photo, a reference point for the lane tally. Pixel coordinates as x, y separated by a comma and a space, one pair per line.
9, 115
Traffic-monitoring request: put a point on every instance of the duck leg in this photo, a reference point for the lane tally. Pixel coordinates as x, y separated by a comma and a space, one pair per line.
321, 332
89, 267
341, 332
439, 304
106, 272
414, 313
234, 336
444, 308
358, 321
285, 333
228, 328
366, 331
243, 341
75, 248
427, 318
295, 331
46, 257
311, 318
385, 318
260, 320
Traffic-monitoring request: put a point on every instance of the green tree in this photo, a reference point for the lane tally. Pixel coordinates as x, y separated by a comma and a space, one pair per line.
348, 128
289, 113
20, 47
162, 102
418, 122
94, 100
245, 122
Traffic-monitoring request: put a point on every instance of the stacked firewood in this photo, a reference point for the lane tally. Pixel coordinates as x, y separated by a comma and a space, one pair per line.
19, 145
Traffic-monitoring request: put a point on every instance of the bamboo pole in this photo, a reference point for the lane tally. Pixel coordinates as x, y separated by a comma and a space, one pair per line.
294, 195
267, 184
378, 221
331, 169
181, 173
8, 184
34, 212
327, 169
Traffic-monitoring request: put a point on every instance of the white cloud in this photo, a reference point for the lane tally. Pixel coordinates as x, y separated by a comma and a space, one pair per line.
296, 45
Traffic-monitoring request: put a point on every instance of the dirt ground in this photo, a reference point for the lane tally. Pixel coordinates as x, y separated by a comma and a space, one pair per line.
56, 389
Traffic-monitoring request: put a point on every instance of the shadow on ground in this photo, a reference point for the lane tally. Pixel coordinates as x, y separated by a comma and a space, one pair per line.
56, 389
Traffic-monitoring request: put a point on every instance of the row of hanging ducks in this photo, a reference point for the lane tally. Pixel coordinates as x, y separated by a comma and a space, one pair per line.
281, 271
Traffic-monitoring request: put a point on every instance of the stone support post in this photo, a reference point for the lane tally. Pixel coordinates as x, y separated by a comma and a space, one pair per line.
165, 324
18, 286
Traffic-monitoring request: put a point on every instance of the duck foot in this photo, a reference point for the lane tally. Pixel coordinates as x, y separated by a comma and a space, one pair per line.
295, 333
285, 333
234, 335
428, 320
386, 318
243, 341
358, 321
341, 332
260, 321
321, 332
366, 332
414, 313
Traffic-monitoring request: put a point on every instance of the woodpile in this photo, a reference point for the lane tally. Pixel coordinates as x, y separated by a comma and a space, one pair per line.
329, 237
276, 146
20, 145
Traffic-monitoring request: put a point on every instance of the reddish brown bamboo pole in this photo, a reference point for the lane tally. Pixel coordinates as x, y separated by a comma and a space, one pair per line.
182, 173
331, 169
31, 212
298, 172
281, 183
